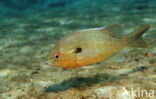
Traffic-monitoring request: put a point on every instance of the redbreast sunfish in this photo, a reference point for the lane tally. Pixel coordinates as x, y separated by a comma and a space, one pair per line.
94, 45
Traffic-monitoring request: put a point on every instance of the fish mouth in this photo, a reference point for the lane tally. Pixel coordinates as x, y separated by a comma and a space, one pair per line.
48, 63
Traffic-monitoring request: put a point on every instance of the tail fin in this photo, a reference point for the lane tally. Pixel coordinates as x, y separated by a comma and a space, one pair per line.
135, 39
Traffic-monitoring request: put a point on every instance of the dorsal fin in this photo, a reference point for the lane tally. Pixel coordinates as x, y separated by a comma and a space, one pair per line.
115, 30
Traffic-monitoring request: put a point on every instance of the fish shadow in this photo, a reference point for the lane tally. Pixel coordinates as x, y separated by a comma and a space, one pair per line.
78, 82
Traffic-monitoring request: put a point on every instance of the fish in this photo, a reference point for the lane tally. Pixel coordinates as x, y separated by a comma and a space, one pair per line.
90, 46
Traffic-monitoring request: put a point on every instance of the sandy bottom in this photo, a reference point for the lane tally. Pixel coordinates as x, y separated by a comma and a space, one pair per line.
26, 40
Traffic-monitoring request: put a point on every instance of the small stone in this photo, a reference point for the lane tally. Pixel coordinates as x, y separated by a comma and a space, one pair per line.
148, 54
136, 59
123, 83
35, 72
144, 70
112, 67
10, 46
4, 73
143, 67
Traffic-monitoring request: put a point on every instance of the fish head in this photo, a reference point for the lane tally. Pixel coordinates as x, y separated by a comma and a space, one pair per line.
65, 54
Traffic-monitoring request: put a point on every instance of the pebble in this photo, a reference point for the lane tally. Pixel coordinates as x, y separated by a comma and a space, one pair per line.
112, 67
4, 73
148, 54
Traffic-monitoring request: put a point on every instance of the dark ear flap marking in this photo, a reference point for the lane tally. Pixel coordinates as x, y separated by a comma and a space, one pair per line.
78, 50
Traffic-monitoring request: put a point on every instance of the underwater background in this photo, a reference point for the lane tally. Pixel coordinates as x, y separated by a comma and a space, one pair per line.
30, 28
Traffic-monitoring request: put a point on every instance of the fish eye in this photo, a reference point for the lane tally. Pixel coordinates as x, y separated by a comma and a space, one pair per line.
78, 50
57, 56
